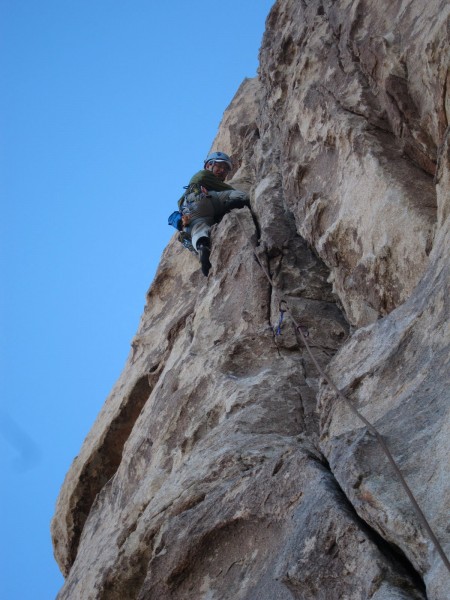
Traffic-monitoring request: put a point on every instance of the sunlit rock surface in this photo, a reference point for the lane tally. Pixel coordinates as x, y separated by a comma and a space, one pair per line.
222, 466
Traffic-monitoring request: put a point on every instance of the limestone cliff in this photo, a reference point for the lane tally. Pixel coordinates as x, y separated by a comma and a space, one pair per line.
222, 466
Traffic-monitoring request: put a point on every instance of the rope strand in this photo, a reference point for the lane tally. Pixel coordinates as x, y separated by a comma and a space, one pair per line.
420, 515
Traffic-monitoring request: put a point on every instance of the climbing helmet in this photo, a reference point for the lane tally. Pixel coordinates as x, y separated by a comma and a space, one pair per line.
219, 157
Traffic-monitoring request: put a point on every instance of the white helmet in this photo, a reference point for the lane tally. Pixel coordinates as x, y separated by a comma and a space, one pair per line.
219, 157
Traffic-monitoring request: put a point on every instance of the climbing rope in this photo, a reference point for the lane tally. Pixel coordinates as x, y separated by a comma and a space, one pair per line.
303, 332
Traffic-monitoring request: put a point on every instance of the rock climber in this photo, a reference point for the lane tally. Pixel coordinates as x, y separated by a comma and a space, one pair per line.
207, 199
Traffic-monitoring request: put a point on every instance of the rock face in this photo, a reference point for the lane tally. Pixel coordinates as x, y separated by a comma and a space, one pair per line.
222, 466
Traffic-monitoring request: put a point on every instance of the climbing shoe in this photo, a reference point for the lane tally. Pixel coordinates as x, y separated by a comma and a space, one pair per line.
237, 203
204, 252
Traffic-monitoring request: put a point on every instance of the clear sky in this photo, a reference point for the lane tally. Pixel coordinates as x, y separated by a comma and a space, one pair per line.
106, 110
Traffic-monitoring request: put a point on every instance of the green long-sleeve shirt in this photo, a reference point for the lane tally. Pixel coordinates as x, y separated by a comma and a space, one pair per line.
208, 180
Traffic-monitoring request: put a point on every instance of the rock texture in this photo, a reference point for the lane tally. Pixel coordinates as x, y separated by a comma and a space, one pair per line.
221, 465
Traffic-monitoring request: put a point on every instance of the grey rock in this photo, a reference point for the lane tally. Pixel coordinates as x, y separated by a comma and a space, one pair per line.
222, 464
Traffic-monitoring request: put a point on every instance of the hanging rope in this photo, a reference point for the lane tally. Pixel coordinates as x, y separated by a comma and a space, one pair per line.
303, 332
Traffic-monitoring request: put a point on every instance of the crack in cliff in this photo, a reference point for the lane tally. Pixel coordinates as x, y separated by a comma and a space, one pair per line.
399, 111
104, 462
326, 102
444, 96
393, 553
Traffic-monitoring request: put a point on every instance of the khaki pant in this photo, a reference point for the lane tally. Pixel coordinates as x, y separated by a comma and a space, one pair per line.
205, 211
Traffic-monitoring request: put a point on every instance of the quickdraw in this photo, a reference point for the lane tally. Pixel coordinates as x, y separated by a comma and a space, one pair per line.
280, 321
304, 333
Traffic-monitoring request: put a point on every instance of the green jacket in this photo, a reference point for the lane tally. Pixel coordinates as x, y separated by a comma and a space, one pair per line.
208, 180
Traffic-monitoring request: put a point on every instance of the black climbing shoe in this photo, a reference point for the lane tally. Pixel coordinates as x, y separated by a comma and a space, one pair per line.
237, 203
204, 252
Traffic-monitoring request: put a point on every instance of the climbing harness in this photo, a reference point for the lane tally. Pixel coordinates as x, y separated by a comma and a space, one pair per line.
193, 194
304, 333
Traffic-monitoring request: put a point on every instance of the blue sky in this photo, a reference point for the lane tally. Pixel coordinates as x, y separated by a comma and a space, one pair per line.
107, 108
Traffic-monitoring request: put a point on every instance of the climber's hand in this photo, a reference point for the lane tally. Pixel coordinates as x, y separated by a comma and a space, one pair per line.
186, 219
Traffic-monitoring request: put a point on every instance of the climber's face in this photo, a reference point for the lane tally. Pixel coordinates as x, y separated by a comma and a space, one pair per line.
219, 169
